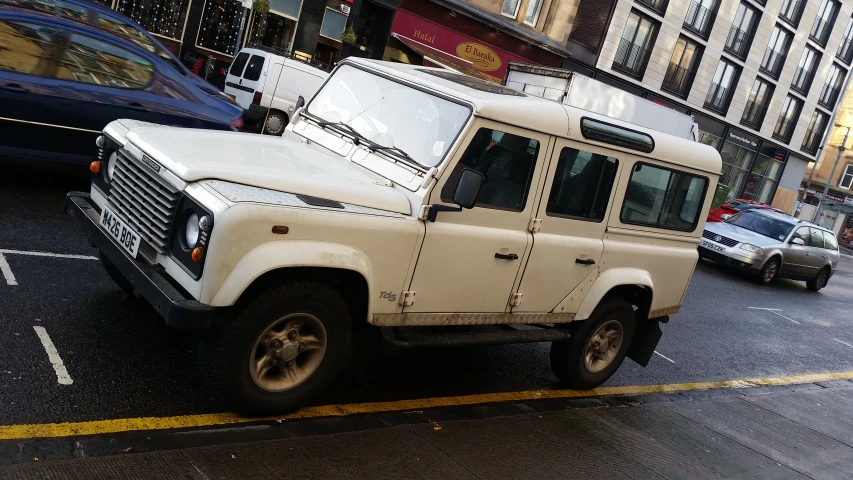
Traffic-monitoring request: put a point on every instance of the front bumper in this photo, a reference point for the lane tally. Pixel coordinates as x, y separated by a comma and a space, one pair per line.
178, 310
741, 262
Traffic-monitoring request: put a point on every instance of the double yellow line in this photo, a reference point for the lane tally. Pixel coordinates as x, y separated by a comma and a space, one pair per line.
54, 430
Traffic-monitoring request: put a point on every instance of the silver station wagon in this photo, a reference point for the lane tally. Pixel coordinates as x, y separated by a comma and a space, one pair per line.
772, 245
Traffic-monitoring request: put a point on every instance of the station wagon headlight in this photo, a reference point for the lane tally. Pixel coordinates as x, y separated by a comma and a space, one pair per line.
750, 248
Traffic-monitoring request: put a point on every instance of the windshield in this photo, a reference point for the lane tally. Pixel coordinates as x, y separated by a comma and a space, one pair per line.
762, 224
391, 114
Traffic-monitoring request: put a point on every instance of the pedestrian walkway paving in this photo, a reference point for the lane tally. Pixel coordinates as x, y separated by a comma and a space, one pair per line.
792, 432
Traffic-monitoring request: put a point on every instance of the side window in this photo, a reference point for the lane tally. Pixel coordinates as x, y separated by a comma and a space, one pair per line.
506, 160
831, 242
239, 64
88, 60
254, 68
582, 185
662, 198
817, 238
803, 234
30, 48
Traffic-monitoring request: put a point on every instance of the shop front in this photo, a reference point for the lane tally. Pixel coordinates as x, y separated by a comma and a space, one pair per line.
163, 18
276, 28
765, 173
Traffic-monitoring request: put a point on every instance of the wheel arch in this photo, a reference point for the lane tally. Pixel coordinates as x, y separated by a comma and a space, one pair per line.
634, 285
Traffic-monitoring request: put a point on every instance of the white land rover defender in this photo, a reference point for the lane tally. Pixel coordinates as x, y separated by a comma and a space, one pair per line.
402, 196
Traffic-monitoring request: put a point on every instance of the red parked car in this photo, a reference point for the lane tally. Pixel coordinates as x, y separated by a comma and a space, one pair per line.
733, 207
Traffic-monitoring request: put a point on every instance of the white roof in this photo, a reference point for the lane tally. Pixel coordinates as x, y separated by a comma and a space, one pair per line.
546, 116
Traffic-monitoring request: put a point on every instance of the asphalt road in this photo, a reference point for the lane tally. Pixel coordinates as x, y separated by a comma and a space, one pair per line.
124, 363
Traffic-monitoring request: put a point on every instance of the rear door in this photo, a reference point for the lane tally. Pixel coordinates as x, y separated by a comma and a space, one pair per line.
243, 82
817, 256
573, 209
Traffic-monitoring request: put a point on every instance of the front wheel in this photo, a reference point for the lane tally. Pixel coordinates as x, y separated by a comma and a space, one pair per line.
597, 346
278, 351
769, 271
819, 281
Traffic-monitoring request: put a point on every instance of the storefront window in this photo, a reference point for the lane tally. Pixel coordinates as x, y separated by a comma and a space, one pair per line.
333, 24
736, 162
161, 17
763, 179
220, 25
273, 31
286, 7
709, 139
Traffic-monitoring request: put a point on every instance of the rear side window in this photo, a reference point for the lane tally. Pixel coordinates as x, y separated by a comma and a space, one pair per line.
663, 198
817, 238
253, 69
239, 64
582, 185
831, 242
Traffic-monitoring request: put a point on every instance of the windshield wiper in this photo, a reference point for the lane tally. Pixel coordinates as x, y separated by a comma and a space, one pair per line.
357, 137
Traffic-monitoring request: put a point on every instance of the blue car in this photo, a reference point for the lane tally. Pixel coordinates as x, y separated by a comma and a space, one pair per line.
67, 68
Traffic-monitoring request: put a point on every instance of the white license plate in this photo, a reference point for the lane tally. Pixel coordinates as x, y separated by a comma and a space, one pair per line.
712, 246
120, 232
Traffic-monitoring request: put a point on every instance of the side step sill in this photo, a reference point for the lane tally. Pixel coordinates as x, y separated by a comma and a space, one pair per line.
506, 335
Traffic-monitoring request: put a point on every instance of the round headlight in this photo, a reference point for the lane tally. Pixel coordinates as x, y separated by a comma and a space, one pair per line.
191, 231
100, 141
111, 166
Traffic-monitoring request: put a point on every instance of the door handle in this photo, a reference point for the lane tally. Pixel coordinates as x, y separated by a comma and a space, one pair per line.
14, 88
506, 256
585, 261
137, 107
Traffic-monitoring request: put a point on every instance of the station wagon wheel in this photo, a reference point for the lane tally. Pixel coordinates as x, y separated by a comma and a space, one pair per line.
819, 281
275, 123
273, 353
769, 271
597, 345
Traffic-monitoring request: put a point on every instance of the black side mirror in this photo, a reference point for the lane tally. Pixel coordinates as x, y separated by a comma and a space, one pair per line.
468, 188
300, 102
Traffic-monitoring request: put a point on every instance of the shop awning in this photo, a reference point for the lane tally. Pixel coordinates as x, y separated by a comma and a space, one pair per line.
439, 57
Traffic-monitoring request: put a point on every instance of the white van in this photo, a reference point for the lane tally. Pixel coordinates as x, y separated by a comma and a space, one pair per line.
267, 85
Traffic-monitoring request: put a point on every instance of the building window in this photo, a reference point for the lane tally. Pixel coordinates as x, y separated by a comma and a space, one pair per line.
763, 178
532, 15
787, 118
635, 45
742, 31
774, 56
333, 25
823, 23
814, 133
722, 87
736, 162
164, 18
700, 16
832, 87
806, 70
220, 25
510, 8
682, 67
792, 10
845, 49
656, 5
756, 104
846, 180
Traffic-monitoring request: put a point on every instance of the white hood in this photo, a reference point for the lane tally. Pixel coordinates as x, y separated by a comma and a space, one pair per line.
263, 161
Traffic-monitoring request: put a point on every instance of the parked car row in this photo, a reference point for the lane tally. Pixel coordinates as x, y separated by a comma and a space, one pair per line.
733, 207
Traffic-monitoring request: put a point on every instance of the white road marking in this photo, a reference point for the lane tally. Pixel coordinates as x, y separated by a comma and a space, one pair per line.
845, 343
664, 357
775, 311
61, 373
48, 254
7, 271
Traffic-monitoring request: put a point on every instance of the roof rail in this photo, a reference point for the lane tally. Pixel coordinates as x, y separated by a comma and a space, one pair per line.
286, 54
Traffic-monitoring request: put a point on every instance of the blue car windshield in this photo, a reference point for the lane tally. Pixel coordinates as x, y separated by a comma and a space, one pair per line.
762, 224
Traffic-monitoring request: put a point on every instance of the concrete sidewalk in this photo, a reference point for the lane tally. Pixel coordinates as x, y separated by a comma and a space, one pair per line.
798, 431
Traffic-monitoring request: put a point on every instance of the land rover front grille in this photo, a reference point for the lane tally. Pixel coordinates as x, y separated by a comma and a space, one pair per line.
719, 239
144, 200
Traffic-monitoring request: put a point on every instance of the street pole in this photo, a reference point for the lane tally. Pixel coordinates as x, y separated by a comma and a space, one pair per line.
823, 143
831, 175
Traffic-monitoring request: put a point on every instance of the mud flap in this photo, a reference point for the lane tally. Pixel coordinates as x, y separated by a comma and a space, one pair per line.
646, 339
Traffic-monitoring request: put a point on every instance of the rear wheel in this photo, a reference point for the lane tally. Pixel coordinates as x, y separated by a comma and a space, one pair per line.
278, 351
597, 346
769, 271
819, 281
275, 123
